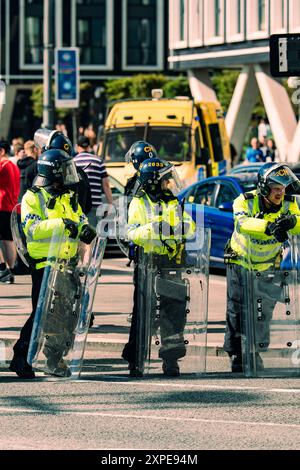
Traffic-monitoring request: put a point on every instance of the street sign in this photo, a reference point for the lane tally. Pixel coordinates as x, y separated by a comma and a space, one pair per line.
66, 77
285, 55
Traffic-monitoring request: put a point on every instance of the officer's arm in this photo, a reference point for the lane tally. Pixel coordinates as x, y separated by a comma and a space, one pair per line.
83, 220
31, 216
294, 210
189, 225
139, 229
245, 224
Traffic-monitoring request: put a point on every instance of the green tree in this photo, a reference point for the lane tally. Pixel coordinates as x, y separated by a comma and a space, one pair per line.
60, 113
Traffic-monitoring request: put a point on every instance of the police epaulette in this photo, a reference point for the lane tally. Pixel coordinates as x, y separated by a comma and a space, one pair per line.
248, 195
34, 189
289, 197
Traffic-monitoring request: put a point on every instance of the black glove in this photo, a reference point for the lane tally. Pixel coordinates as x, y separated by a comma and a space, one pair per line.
88, 234
163, 227
274, 229
287, 222
72, 227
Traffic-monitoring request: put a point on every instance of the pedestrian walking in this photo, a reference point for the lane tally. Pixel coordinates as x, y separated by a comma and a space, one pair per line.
97, 175
9, 192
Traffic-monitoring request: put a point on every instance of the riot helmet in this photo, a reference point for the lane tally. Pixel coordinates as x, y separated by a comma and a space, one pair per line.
47, 139
276, 173
139, 152
153, 172
56, 166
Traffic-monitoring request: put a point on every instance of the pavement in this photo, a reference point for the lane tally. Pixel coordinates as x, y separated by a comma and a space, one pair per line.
112, 305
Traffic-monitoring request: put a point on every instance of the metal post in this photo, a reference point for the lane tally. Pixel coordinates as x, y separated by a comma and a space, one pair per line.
48, 114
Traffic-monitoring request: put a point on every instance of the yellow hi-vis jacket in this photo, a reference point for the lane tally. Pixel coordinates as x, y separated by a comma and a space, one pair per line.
254, 249
40, 222
141, 215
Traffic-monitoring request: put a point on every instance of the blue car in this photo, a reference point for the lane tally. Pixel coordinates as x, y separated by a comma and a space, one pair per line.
213, 198
246, 168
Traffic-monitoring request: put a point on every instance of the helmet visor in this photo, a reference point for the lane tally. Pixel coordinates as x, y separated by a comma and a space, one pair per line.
128, 158
171, 175
284, 176
70, 173
42, 137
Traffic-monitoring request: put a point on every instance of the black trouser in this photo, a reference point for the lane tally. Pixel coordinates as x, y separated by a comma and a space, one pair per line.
171, 322
238, 308
129, 352
22, 344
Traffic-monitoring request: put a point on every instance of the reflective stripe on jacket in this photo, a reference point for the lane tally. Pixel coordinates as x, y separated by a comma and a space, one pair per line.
256, 250
141, 215
40, 222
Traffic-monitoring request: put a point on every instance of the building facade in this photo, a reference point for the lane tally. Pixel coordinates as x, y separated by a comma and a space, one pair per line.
209, 34
115, 38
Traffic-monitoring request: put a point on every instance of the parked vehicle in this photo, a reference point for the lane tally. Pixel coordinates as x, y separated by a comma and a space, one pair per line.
245, 168
190, 134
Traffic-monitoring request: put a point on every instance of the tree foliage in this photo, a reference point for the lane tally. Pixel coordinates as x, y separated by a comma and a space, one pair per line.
60, 113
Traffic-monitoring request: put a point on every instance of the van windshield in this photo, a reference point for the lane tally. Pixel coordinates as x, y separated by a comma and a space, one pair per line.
171, 143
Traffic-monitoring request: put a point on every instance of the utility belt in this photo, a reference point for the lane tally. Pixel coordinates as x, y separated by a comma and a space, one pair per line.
231, 256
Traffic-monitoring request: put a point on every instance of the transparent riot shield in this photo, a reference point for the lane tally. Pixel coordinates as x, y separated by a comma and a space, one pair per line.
18, 234
172, 308
64, 307
270, 317
121, 216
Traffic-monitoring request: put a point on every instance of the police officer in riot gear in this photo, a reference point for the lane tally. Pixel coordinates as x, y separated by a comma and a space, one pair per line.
151, 228
262, 220
49, 205
47, 139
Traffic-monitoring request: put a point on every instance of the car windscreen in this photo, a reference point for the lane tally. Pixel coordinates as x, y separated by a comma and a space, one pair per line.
171, 143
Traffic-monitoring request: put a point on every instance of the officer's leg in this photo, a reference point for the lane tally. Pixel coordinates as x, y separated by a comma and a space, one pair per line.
19, 362
172, 323
130, 352
59, 329
235, 303
262, 323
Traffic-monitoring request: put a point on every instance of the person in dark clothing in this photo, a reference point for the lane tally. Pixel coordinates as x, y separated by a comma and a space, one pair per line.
28, 167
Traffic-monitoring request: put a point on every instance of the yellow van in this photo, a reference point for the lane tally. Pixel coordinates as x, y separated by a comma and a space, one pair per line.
191, 135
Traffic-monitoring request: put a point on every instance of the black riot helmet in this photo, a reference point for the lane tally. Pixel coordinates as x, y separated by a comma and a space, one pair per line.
153, 171
56, 166
276, 173
47, 139
139, 152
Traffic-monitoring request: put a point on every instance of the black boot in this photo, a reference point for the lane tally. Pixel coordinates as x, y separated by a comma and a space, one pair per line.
236, 363
20, 366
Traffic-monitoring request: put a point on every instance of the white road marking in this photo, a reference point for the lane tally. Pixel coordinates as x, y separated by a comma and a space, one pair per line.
149, 417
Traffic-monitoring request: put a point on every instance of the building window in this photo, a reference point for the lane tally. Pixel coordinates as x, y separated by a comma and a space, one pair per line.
33, 32
282, 13
182, 20
91, 31
261, 15
238, 18
217, 17
142, 33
